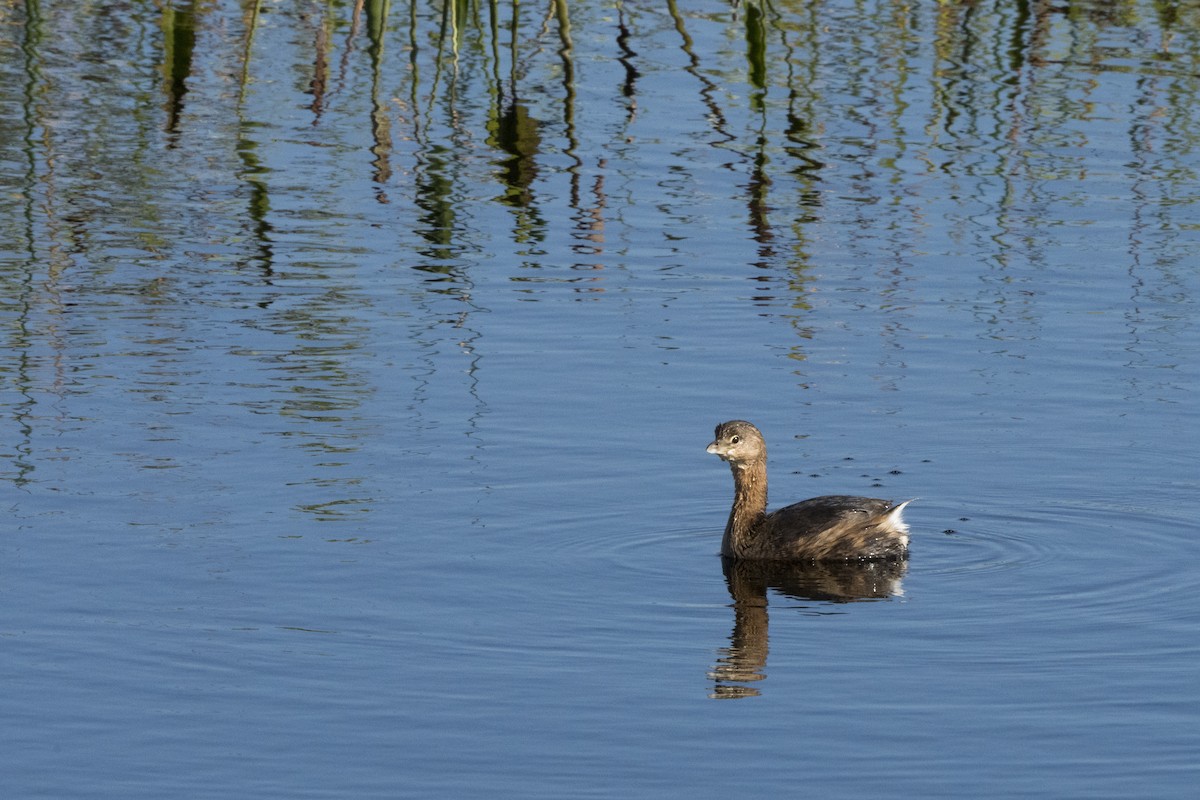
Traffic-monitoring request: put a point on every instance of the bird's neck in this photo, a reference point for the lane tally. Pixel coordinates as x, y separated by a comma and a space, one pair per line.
749, 504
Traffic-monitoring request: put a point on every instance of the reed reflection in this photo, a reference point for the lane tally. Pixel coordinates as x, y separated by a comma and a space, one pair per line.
518, 136
743, 662
381, 117
179, 43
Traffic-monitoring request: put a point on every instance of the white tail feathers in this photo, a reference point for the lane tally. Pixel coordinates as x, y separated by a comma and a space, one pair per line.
895, 516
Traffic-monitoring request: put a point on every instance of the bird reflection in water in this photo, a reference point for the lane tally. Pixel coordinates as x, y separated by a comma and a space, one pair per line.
742, 663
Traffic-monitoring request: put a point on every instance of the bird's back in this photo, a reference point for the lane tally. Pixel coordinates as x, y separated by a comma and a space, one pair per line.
834, 527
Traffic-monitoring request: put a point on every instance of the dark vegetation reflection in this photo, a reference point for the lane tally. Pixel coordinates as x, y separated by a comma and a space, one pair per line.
819, 587
988, 101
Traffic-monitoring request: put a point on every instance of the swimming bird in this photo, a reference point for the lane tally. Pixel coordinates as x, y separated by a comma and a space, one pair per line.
829, 528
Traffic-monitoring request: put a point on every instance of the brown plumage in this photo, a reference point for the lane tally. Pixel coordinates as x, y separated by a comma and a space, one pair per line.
830, 528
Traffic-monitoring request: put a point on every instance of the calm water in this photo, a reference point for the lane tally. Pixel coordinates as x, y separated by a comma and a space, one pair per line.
359, 363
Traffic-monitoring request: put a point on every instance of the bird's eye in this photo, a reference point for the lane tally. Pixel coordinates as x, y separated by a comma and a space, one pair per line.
734, 439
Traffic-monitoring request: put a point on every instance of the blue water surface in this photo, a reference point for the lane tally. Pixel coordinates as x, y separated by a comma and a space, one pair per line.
359, 364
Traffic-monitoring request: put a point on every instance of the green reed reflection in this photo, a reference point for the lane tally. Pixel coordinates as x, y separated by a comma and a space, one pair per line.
988, 56
583, 140
179, 40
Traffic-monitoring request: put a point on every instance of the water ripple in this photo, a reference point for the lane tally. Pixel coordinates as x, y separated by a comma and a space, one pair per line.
986, 544
653, 553
1085, 560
